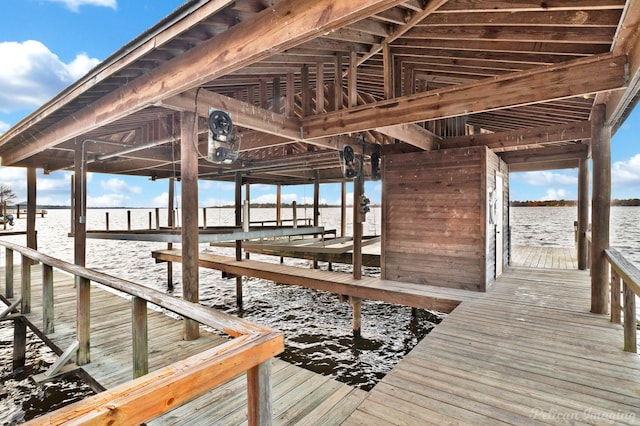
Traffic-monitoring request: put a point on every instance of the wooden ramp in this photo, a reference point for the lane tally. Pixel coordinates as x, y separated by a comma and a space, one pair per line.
529, 352
298, 394
416, 295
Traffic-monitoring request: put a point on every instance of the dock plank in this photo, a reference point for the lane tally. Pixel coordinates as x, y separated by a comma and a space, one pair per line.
528, 352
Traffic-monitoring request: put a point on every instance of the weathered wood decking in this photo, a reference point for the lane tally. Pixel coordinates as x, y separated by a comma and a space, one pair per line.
526, 352
544, 257
529, 352
299, 395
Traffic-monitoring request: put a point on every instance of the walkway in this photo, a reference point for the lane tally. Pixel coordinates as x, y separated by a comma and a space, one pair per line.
529, 352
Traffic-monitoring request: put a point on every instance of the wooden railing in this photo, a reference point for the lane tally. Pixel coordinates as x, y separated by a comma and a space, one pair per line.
625, 281
152, 394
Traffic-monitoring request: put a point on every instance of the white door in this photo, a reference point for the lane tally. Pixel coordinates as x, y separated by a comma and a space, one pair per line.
499, 210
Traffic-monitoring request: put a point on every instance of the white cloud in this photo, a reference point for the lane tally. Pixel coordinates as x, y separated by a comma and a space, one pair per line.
119, 186
161, 200
545, 178
626, 173
31, 74
4, 127
107, 200
74, 5
556, 194
212, 202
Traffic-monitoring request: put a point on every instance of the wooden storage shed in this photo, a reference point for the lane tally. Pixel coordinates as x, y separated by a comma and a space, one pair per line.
445, 217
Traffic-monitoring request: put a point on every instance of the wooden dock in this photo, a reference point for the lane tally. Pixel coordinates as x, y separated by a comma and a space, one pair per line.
526, 352
299, 395
529, 352
544, 257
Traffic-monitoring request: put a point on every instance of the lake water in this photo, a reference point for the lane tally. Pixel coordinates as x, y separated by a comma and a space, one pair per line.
317, 327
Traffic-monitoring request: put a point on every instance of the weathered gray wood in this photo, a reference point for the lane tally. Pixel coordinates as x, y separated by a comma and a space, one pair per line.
170, 225
259, 395
343, 209
62, 359
189, 175
356, 316
583, 213
630, 321
238, 221
600, 209
83, 286
25, 281
106, 220
615, 298
140, 337
358, 192
12, 307
31, 208
129, 220
8, 273
19, 343
48, 325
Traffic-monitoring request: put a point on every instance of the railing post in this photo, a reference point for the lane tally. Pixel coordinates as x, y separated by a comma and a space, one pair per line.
630, 332
19, 343
128, 220
259, 394
615, 297
106, 219
25, 307
8, 273
47, 299
140, 337
157, 218
150, 221
83, 320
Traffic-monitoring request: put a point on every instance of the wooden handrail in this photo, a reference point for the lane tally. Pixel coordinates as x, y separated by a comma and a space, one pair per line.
157, 392
625, 271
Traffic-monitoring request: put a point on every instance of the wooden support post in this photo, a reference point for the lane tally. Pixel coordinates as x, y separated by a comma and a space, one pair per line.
150, 221
238, 218
25, 281
352, 78
140, 337
290, 101
583, 213
343, 211
190, 237
306, 94
356, 319
128, 220
106, 220
630, 328
316, 209
275, 96
337, 83
279, 205
615, 297
31, 209
19, 343
8, 273
204, 218
157, 211
170, 225
601, 154
47, 299
17, 211
387, 65
264, 101
320, 87
259, 394
358, 191
294, 207
247, 210
73, 205
83, 286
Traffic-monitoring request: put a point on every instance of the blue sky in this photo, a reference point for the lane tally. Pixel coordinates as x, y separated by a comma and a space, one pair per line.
45, 45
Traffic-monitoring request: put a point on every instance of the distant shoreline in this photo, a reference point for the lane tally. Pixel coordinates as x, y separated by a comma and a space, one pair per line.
631, 202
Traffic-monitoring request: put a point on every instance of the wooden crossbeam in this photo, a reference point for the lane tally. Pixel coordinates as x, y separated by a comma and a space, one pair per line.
234, 49
555, 153
594, 74
580, 130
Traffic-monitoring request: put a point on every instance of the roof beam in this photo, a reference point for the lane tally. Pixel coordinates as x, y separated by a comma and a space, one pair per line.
241, 45
576, 151
548, 165
579, 130
573, 78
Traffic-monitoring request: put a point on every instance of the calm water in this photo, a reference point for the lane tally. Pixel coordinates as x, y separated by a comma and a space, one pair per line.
317, 327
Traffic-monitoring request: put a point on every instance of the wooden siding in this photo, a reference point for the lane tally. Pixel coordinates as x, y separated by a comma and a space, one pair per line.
434, 217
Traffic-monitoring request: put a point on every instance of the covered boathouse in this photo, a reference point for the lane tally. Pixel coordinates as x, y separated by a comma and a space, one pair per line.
441, 100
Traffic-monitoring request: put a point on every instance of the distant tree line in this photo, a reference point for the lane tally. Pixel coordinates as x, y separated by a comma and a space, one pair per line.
571, 203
